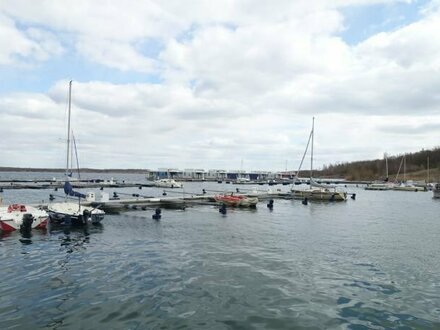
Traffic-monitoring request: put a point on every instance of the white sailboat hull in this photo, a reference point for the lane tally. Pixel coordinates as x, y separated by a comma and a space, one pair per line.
319, 194
78, 214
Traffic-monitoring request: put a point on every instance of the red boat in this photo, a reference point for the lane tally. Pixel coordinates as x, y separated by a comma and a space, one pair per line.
11, 217
237, 200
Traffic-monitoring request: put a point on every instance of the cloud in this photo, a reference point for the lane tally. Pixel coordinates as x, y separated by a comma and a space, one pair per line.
115, 54
22, 46
233, 80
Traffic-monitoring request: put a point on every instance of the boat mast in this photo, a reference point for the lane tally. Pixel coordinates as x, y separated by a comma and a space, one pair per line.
68, 129
404, 168
311, 157
427, 160
386, 165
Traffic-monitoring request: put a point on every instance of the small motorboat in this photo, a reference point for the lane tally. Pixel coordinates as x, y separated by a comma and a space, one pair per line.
14, 216
237, 200
168, 183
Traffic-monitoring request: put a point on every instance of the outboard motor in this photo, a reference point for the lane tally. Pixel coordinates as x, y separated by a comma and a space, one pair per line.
26, 225
86, 216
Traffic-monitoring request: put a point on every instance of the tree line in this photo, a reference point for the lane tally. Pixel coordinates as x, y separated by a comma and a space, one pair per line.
376, 169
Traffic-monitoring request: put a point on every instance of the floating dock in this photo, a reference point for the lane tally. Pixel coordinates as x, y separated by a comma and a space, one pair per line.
116, 205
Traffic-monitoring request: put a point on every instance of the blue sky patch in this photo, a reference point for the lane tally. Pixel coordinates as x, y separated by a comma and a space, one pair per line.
362, 22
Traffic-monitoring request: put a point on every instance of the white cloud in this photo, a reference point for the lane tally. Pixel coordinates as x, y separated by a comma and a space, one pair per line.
19, 47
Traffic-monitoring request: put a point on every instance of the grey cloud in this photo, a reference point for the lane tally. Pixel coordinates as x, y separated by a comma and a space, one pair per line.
417, 129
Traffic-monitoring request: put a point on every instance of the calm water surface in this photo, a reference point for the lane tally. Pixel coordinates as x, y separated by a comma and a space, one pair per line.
372, 263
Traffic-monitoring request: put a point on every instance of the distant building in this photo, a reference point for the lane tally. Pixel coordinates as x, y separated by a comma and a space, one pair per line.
217, 174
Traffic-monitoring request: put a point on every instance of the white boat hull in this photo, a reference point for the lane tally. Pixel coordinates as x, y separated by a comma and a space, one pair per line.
320, 195
408, 188
78, 214
436, 191
168, 183
11, 220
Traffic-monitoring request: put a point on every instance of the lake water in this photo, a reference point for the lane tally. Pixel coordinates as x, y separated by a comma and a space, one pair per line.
369, 263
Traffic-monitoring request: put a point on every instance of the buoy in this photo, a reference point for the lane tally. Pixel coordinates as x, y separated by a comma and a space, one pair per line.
270, 204
56, 189
51, 198
237, 190
305, 201
353, 196
140, 187
222, 209
164, 193
157, 215
203, 191
135, 195
115, 195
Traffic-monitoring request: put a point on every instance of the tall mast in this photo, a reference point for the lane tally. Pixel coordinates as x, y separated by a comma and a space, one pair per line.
427, 160
386, 165
311, 157
68, 128
404, 168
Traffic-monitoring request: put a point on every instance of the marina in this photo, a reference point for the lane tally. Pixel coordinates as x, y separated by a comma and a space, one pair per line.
347, 254
219, 165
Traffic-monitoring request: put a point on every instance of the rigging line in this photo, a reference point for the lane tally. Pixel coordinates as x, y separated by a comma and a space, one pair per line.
305, 152
398, 171
76, 156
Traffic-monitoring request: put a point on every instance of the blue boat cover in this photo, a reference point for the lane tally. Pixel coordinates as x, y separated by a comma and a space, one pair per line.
68, 190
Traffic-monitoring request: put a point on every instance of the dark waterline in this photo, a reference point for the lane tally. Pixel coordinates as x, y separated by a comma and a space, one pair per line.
369, 263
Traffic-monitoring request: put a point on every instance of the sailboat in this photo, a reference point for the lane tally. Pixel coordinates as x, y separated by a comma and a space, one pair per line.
382, 185
405, 185
73, 212
317, 191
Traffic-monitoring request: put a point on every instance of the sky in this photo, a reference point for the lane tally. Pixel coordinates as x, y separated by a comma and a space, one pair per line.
224, 84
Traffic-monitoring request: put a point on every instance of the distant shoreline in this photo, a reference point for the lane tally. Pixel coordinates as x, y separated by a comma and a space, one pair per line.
62, 170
